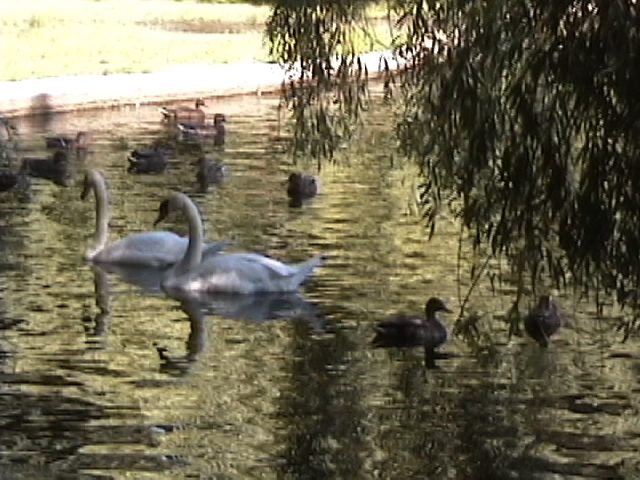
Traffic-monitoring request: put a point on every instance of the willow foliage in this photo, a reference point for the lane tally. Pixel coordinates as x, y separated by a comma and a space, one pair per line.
327, 92
524, 117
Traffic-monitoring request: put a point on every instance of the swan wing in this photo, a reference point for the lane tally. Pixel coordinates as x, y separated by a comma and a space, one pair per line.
154, 249
243, 273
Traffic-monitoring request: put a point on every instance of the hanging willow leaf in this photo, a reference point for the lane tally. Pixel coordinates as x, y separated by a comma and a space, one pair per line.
525, 113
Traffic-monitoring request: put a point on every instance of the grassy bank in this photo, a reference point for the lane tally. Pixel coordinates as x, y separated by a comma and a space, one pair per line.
70, 37
50, 38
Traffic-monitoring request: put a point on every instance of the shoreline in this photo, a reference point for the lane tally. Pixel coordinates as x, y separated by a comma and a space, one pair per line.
179, 83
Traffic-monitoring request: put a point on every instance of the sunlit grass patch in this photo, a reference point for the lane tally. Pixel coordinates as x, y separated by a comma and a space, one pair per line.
70, 37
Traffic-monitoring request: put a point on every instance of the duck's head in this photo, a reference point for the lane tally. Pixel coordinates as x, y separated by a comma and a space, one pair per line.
294, 178
200, 103
435, 305
546, 302
219, 118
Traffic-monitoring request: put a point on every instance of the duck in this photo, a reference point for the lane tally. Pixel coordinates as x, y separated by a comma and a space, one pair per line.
301, 186
187, 115
239, 273
210, 172
81, 141
8, 180
196, 132
219, 120
403, 330
543, 321
157, 249
149, 160
56, 169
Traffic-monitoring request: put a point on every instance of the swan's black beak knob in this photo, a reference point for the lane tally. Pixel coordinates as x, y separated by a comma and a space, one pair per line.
86, 188
163, 212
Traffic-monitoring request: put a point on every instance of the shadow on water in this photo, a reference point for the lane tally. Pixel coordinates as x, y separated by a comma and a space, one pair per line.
105, 376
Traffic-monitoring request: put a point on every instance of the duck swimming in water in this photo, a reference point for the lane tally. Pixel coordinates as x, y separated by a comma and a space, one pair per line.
402, 330
543, 321
183, 114
301, 187
81, 141
210, 172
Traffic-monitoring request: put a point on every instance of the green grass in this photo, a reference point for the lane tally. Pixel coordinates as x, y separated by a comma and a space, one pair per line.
70, 37
50, 38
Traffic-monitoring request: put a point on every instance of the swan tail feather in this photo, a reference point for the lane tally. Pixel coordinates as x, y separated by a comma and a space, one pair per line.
305, 269
211, 249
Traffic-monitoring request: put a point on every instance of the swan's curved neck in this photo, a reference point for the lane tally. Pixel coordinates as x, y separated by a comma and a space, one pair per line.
101, 235
193, 254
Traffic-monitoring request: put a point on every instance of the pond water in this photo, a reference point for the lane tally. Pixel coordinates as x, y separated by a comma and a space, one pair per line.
104, 376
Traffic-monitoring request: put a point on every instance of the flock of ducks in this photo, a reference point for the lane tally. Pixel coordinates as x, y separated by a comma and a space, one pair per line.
193, 265
191, 125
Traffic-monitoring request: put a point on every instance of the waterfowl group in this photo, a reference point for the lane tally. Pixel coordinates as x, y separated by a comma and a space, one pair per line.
192, 266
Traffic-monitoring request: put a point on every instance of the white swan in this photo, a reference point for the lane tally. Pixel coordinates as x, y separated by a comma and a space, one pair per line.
151, 249
243, 273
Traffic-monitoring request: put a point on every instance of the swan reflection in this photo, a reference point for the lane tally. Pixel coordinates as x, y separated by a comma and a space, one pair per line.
148, 279
195, 345
252, 307
98, 325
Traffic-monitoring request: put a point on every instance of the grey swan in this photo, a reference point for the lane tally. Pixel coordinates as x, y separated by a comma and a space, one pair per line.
242, 273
